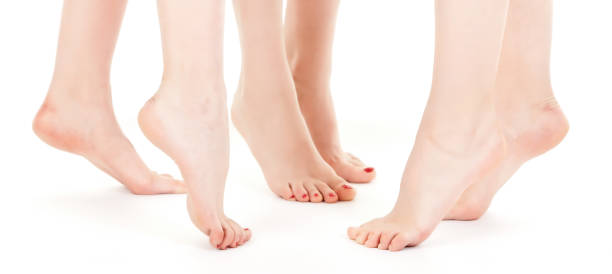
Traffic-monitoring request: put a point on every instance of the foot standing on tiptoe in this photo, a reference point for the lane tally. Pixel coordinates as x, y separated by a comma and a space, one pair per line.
267, 113
187, 117
77, 114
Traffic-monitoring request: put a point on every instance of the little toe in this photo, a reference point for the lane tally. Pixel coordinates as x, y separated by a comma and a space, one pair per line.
329, 195
299, 191
352, 232
385, 240
313, 192
373, 240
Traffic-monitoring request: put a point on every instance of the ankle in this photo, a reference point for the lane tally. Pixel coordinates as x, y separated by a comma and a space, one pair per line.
307, 86
183, 91
193, 78
310, 76
515, 96
273, 82
448, 117
462, 136
82, 91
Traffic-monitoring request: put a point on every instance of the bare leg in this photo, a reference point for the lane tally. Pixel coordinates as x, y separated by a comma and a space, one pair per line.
77, 115
309, 35
459, 140
531, 119
187, 117
267, 114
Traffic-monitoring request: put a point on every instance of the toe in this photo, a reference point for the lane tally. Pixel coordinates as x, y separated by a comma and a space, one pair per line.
238, 234
313, 192
359, 173
385, 240
247, 236
284, 191
345, 192
179, 187
401, 241
216, 236
373, 239
209, 224
229, 235
362, 236
353, 170
352, 232
329, 195
165, 184
299, 191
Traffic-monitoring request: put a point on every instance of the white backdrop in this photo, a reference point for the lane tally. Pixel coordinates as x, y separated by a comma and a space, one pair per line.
58, 214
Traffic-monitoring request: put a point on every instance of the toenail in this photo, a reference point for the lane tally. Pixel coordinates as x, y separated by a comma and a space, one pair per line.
246, 228
316, 195
346, 187
292, 196
304, 196
332, 195
368, 169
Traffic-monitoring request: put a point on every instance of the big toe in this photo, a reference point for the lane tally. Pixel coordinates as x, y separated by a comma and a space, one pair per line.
345, 191
403, 240
352, 232
216, 236
353, 170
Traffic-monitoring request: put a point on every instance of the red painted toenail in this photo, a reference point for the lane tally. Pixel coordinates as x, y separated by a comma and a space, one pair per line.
316, 194
347, 187
368, 169
304, 196
292, 196
332, 195
246, 228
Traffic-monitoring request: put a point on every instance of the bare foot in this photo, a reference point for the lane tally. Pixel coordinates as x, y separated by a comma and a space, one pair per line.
268, 117
193, 131
437, 172
318, 111
530, 130
85, 125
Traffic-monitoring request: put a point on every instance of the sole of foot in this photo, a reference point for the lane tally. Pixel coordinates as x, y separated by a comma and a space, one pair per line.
89, 128
436, 175
193, 131
529, 133
271, 123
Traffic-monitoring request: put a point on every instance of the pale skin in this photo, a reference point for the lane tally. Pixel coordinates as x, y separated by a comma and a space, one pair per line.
186, 118
309, 32
492, 70
77, 114
297, 149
